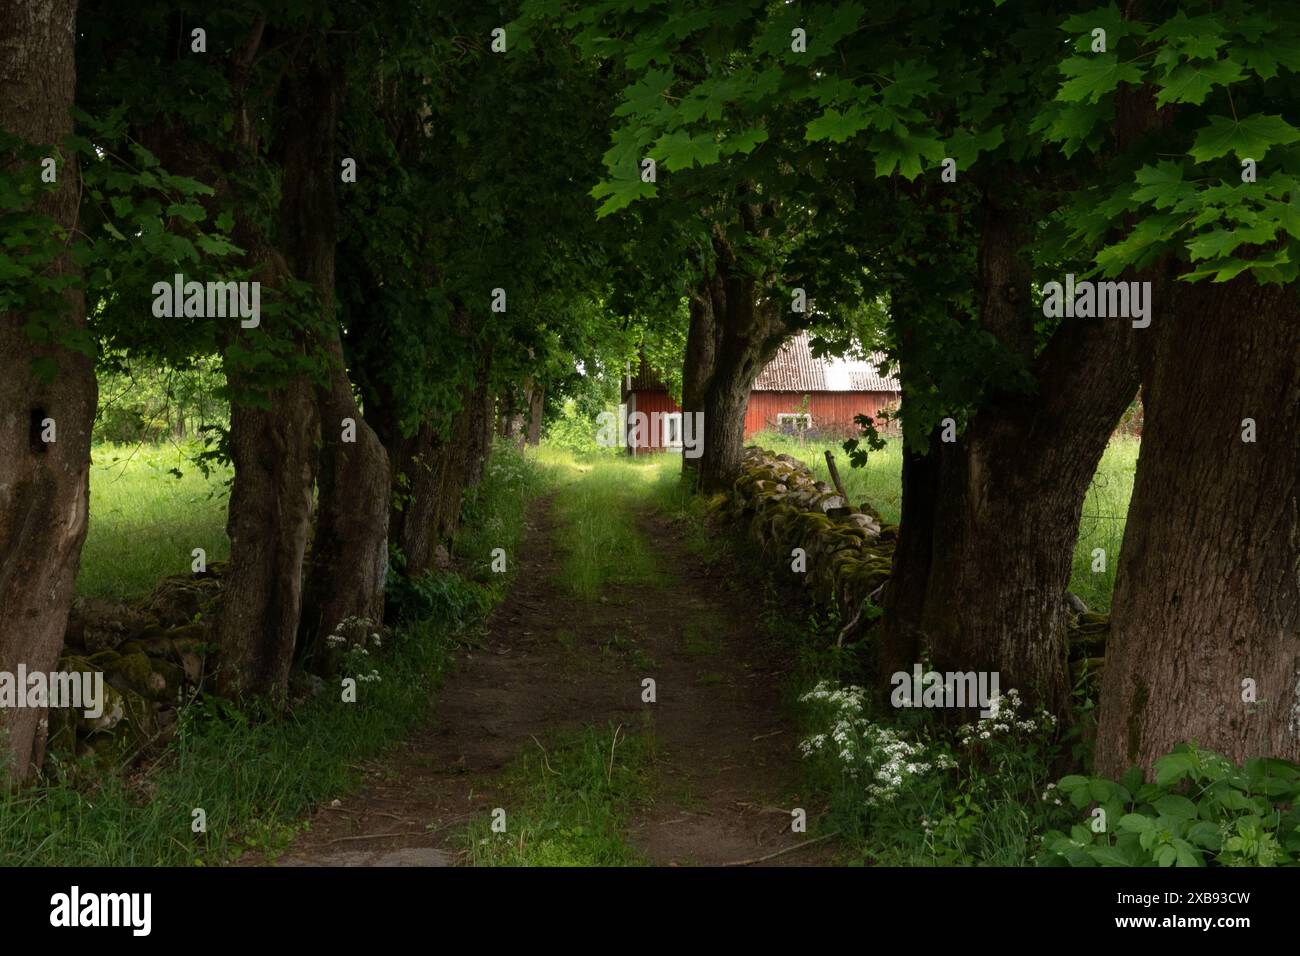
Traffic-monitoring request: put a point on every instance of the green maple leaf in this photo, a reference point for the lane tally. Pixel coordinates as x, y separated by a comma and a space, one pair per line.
620, 193
1094, 75
904, 152
1265, 58
744, 142
1072, 124
911, 80
1248, 138
1109, 18
646, 95
1195, 38
1191, 83
1162, 185
1225, 270
842, 21
1218, 243
681, 150
837, 126
965, 147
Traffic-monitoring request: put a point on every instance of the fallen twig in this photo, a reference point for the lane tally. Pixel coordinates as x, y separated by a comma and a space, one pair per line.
789, 849
373, 836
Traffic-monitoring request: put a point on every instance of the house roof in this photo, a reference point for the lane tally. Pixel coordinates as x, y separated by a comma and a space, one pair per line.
794, 369
646, 379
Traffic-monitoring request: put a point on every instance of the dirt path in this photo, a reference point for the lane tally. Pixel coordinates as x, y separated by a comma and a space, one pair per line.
725, 772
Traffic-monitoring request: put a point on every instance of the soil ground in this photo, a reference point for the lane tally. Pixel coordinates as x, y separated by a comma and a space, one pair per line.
725, 773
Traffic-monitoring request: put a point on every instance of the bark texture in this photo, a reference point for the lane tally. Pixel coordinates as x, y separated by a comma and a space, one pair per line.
1207, 592
734, 332
349, 552
275, 453
998, 509
44, 486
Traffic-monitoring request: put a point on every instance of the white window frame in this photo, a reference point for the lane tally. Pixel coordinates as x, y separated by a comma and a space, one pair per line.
783, 417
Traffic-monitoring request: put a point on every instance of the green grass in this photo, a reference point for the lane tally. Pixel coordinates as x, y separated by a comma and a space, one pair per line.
596, 508
1101, 524
254, 780
492, 514
879, 482
569, 802
145, 522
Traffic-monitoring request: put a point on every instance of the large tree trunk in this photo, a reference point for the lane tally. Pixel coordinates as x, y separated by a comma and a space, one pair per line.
1001, 505
731, 337
349, 552
275, 453
1207, 593
43, 486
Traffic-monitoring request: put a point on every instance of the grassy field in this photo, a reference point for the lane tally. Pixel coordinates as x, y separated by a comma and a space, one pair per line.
145, 522
1102, 523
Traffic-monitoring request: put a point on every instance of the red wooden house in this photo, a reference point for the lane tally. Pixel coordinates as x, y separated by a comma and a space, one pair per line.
835, 389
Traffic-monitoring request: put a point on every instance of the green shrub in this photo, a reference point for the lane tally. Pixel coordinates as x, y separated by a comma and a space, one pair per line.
1201, 810
574, 430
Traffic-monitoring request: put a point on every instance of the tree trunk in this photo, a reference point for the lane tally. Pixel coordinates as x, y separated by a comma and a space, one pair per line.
418, 462
349, 552
1207, 592
44, 486
731, 337
275, 454
1001, 504
899, 637
513, 423
431, 471
536, 407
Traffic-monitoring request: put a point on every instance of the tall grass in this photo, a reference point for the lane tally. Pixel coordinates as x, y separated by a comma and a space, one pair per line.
145, 521
492, 513
253, 781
